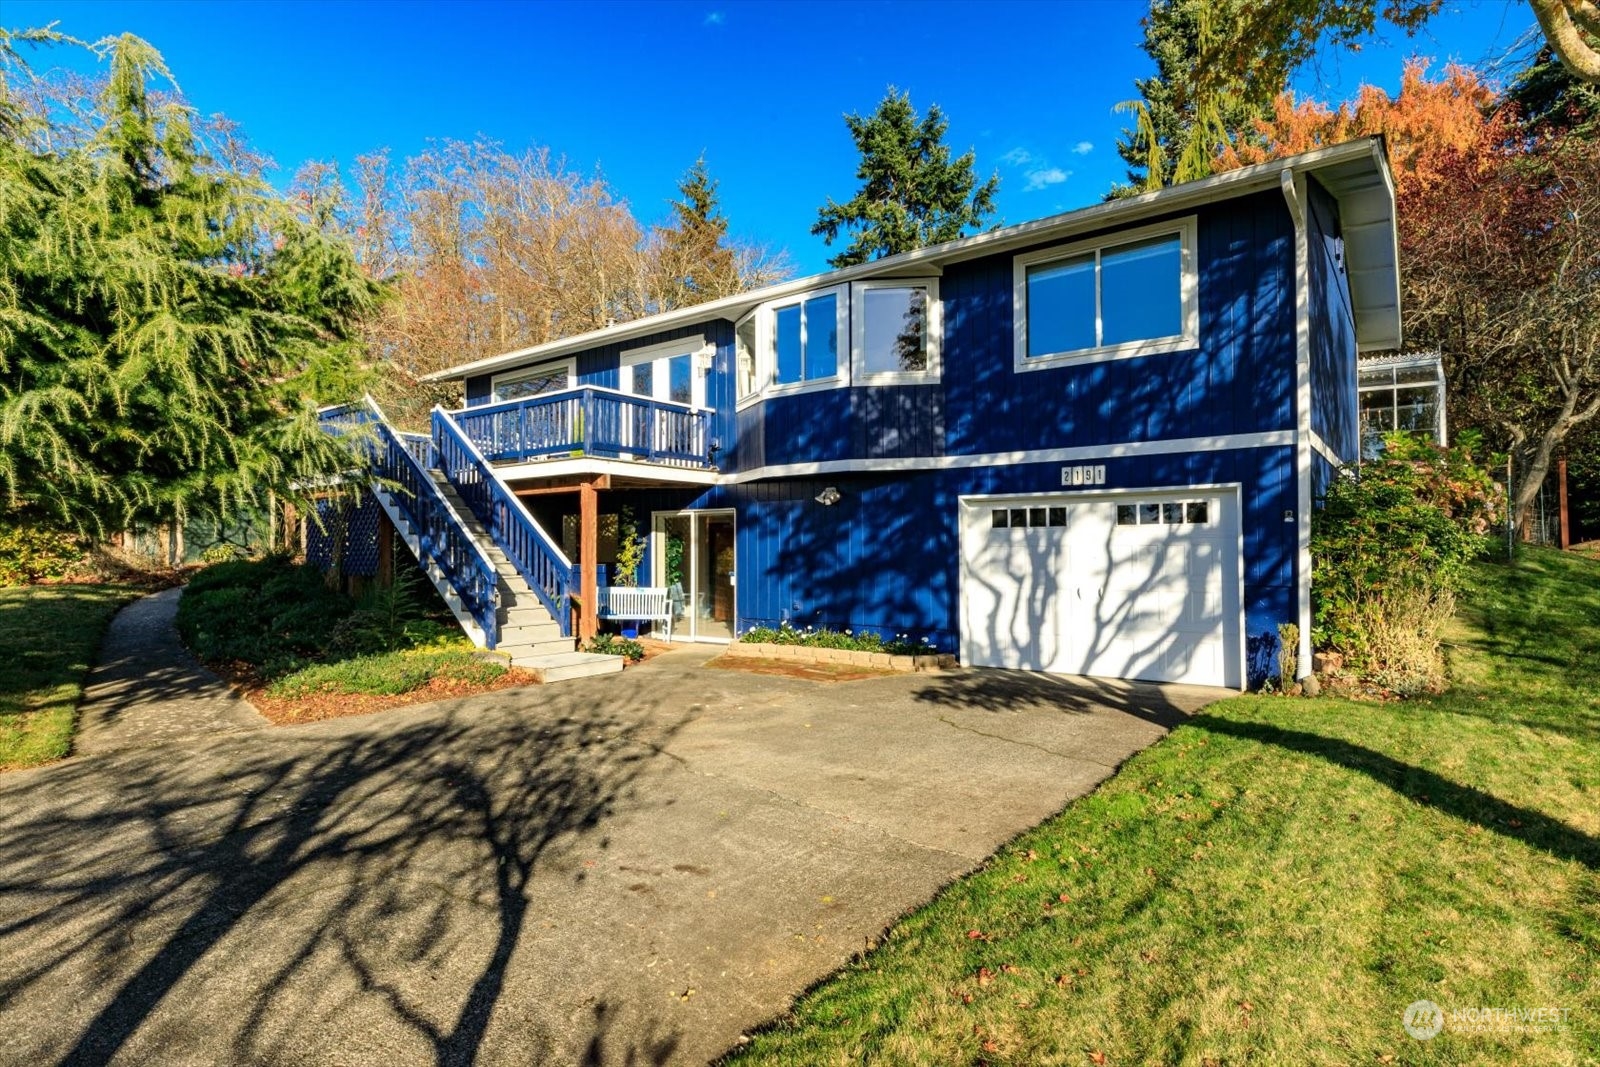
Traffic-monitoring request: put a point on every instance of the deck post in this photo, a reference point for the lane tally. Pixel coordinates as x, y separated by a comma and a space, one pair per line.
588, 548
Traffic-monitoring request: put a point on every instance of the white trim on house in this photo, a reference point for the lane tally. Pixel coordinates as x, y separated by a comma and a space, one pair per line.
590, 465
1185, 229
570, 365
1355, 169
1325, 450
1294, 194
933, 333
1267, 439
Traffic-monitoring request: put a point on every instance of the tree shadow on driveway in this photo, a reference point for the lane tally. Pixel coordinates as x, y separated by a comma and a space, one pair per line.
354, 891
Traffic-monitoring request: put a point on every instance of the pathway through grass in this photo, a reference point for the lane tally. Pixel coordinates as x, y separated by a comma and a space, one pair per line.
48, 634
1279, 879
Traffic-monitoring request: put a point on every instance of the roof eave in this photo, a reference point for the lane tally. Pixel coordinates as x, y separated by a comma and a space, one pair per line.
931, 259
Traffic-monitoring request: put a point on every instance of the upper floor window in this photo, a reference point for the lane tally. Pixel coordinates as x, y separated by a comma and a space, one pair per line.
805, 340
1133, 294
521, 384
871, 333
895, 334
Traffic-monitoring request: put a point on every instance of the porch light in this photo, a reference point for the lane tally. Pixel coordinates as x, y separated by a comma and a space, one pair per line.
829, 497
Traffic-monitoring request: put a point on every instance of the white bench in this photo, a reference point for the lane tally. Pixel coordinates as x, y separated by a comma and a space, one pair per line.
623, 603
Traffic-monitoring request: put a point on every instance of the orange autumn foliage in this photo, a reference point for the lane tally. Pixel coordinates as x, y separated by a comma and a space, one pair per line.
1427, 123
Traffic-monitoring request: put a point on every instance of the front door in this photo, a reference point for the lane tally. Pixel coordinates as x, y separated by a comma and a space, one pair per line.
693, 557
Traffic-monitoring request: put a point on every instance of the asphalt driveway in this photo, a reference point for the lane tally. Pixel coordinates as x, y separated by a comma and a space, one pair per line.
627, 869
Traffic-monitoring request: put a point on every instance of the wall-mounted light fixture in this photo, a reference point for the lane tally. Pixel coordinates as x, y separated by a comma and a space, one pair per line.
829, 497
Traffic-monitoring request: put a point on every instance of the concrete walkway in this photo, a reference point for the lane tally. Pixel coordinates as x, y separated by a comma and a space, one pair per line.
629, 869
148, 690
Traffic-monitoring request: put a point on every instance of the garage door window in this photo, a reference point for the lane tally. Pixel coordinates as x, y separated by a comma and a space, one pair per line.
1022, 518
1165, 513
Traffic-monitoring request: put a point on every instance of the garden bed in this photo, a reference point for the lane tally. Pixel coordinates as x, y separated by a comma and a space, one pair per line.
881, 661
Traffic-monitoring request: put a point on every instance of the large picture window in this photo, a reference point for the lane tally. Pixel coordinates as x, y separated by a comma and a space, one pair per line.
1130, 295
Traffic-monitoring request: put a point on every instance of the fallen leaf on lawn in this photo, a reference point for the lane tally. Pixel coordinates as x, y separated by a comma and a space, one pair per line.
1246, 1005
1063, 980
975, 935
990, 1046
1009, 968
1097, 1058
1032, 855
985, 976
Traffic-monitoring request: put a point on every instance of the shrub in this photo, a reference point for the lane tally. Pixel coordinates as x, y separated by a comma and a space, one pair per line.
612, 645
278, 615
31, 553
270, 613
1288, 654
1390, 548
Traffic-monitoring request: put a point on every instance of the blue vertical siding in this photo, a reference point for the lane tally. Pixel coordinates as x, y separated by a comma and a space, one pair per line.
1333, 333
1239, 380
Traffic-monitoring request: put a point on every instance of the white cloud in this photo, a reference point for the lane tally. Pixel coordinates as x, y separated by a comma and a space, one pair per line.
1083, 148
715, 18
1045, 177
1017, 157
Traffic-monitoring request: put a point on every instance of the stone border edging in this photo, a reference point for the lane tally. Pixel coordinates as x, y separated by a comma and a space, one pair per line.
881, 660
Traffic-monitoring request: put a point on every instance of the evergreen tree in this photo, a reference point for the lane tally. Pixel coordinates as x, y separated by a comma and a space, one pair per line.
168, 329
1182, 124
913, 194
697, 264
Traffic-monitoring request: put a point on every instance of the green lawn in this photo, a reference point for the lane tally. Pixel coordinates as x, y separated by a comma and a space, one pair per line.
1277, 880
49, 634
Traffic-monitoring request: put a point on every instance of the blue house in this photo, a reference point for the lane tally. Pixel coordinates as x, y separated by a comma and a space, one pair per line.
1086, 444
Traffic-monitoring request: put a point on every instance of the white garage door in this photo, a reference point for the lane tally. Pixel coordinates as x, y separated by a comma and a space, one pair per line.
1127, 585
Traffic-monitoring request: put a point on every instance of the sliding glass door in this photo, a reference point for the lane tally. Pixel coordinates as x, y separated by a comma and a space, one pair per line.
694, 559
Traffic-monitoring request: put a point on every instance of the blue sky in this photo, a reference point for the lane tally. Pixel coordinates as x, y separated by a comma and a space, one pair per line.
640, 89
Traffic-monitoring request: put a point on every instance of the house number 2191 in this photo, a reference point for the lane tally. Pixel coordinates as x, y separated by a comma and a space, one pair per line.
1095, 475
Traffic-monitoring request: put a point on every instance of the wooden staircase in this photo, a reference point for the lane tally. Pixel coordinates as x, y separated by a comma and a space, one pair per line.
482, 585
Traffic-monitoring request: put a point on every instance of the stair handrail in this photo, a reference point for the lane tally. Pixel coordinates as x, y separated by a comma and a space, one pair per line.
537, 557
442, 537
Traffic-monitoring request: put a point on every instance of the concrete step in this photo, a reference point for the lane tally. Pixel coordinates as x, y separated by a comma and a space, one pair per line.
566, 665
524, 632
524, 647
519, 615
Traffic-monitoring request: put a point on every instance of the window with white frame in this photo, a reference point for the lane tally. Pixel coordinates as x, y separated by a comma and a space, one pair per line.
1132, 294
521, 384
895, 330
805, 338
667, 371
746, 356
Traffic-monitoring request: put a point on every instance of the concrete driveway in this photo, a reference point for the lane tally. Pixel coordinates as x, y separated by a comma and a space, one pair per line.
630, 869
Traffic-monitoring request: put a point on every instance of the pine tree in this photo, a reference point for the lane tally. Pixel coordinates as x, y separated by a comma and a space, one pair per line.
697, 264
168, 329
913, 194
1180, 123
